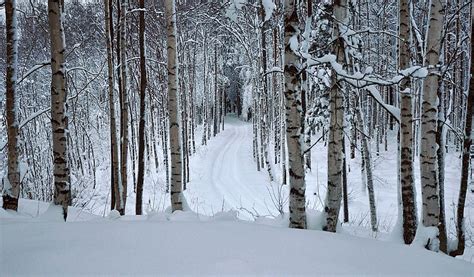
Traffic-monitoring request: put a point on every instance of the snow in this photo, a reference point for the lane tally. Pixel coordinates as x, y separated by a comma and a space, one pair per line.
269, 7
294, 44
233, 9
182, 244
223, 176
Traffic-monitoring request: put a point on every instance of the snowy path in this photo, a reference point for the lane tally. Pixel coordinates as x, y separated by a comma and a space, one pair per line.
224, 176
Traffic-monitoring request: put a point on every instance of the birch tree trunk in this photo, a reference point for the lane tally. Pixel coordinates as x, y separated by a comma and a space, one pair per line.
366, 156
429, 117
264, 92
122, 191
336, 109
11, 188
141, 127
59, 120
297, 200
175, 140
409, 217
467, 144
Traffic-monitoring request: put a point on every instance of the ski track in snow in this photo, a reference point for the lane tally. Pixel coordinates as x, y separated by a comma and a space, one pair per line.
230, 173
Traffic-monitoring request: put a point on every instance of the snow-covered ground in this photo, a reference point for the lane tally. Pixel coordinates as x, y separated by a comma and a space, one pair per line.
185, 243
225, 188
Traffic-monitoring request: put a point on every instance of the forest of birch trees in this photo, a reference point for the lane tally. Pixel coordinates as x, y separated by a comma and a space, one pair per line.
131, 88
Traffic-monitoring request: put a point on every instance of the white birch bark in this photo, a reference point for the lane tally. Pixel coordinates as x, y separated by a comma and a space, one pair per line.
297, 200
366, 156
11, 186
175, 140
429, 117
336, 107
59, 119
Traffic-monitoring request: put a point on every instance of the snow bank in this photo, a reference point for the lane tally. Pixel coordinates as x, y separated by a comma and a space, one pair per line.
178, 244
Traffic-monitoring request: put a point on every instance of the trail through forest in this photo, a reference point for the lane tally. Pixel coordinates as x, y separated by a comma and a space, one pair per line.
224, 176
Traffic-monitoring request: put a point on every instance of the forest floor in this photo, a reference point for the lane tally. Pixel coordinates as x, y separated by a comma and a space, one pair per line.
226, 186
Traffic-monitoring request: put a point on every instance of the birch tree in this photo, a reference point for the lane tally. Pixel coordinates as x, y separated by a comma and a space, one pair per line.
59, 119
11, 186
429, 117
406, 128
297, 200
175, 140
336, 109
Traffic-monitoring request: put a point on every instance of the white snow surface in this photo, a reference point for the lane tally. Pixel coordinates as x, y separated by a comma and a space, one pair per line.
186, 243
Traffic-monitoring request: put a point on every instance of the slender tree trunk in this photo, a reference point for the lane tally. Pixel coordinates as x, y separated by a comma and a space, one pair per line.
336, 108
59, 119
284, 168
122, 191
264, 80
11, 188
440, 141
141, 127
114, 163
175, 140
429, 116
406, 130
153, 134
368, 166
293, 121
467, 144
215, 128
345, 199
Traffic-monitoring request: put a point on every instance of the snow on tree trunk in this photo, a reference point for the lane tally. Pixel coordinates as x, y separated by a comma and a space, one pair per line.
293, 119
336, 109
407, 185
175, 140
59, 119
11, 189
429, 117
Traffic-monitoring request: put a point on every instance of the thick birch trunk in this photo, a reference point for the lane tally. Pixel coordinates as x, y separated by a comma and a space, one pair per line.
335, 162
59, 120
429, 117
175, 140
293, 121
409, 216
11, 188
